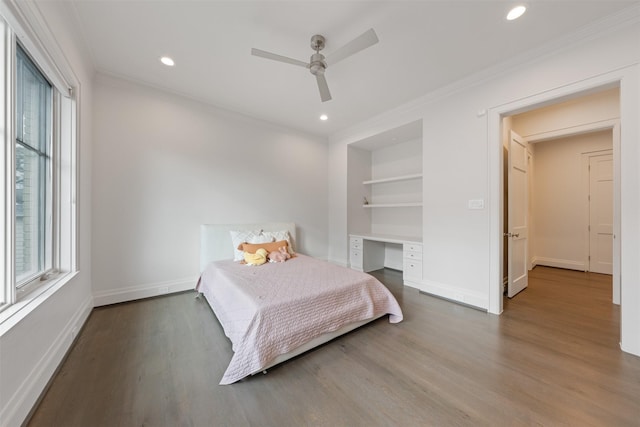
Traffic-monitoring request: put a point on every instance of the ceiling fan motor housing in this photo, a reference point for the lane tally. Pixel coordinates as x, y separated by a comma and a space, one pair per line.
317, 64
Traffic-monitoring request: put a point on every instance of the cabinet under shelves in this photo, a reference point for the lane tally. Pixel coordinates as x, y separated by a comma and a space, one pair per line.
393, 179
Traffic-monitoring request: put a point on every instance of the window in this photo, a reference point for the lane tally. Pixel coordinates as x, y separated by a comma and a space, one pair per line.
38, 183
33, 172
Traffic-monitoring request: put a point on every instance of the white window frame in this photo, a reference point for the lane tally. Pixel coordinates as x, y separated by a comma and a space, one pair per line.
14, 303
50, 265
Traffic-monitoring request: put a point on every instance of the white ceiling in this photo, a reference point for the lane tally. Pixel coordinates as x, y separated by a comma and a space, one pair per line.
423, 45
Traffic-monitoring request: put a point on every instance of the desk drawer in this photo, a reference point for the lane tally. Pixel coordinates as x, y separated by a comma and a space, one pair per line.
415, 256
355, 243
412, 247
355, 259
412, 270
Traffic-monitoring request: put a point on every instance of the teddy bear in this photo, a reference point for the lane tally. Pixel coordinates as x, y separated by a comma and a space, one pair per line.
281, 255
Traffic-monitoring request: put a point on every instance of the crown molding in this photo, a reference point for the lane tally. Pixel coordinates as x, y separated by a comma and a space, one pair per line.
30, 26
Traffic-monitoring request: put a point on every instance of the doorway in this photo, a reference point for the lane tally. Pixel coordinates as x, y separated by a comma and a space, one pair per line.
567, 217
538, 101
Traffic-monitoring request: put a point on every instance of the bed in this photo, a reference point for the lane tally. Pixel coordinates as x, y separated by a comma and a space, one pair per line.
276, 311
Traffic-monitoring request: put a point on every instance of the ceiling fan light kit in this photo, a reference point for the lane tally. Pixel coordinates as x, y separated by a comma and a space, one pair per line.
318, 63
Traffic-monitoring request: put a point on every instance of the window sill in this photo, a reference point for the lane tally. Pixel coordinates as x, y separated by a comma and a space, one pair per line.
13, 314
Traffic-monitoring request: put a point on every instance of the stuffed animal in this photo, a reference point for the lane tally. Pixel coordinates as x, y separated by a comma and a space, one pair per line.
259, 258
281, 255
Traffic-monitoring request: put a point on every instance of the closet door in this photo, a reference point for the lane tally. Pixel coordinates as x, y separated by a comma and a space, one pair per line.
601, 214
518, 234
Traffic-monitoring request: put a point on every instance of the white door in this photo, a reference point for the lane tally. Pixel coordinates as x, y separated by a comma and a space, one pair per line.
601, 214
518, 234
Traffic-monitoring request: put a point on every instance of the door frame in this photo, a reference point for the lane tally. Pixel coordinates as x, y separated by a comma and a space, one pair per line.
495, 205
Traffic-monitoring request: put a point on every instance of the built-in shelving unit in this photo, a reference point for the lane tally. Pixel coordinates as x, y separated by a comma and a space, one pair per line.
384, 201
384, 188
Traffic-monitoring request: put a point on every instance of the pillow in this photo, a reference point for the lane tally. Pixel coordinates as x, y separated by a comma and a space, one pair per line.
281, 235
243, 236
269, 247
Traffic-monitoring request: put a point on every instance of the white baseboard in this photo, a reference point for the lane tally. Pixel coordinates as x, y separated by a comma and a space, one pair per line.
559, 263
452, 293
17, 408
341, 262
114, 296
394, 265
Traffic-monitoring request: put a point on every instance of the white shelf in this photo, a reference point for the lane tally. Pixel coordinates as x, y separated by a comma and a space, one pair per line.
393, 179
388, 238
392, 205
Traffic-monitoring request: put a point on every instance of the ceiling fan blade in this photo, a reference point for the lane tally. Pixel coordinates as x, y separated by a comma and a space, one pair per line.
363, 41
269, 55
325, 95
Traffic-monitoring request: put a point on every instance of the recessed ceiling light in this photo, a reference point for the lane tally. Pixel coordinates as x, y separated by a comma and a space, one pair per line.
167, 61
324, 117
516, 12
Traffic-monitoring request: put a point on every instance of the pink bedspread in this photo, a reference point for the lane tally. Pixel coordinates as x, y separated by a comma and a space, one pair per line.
274, 308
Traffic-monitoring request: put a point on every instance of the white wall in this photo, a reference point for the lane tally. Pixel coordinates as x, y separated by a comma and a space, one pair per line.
163, 165
559, 209
358, 171
32, 349
462, 155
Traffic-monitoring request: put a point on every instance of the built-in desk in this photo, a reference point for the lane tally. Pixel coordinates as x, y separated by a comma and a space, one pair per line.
367, 253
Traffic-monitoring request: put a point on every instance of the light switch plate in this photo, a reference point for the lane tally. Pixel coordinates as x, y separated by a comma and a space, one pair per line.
476, 204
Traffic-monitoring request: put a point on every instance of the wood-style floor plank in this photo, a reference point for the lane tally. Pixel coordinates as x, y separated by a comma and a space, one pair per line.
552, 358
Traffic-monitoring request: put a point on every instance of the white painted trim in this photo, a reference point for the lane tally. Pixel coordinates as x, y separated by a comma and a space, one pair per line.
19, 310
130, 293
412, 284
628, 209
7, 159
27, 21
495, 205
573, 130
341, 263
450, 292
17, 408
560, 263
617, 214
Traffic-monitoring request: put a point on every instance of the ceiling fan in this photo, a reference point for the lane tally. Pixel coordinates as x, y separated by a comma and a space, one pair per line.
319, 63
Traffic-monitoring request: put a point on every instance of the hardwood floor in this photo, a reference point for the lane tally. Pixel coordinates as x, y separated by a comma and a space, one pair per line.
552, 358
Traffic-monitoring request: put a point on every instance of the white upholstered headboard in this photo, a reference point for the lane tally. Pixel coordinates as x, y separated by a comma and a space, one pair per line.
215, 239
